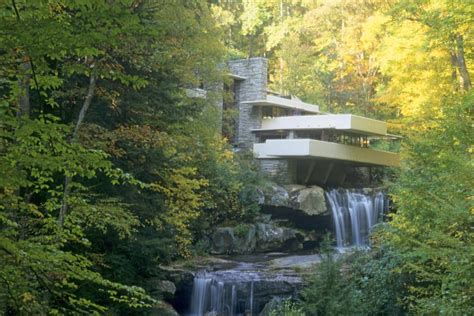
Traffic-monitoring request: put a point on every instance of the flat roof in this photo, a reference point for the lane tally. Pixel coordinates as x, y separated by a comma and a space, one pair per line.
294, 104
345, 122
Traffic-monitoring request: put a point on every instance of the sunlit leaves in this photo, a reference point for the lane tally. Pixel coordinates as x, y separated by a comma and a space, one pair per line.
433, 225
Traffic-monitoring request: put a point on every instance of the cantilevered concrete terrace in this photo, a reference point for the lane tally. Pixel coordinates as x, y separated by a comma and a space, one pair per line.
343, 137
316, 149
285, 103
344, 122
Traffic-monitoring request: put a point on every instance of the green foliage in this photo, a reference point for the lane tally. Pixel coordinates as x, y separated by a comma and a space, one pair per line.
409, 62
241, 230
432, 228
149, 173
287, 307
39, 271
330, 292
421, 261
229, 123
137, 180
360, 283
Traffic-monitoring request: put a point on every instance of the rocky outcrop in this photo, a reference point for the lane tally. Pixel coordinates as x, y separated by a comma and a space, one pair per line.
304, 207
161, 308
247, 287
271, 307
228, 240
273, 238
260, 237
309, 201
295, 262
160, 288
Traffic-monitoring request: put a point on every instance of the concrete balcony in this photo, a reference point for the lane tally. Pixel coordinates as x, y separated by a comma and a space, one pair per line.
343, 122
317, 149
279, 102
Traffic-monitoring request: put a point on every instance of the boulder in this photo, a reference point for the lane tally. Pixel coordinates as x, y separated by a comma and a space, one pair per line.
292, 188
261, 237
311, 200
246, 240
239, 239
264, 218
260, 196
161, 308
307, 200
274, 238
223, 240
271, 307
160, 288
276, 195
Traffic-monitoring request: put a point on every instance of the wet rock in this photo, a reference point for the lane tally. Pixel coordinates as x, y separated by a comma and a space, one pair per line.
264, 218
180, 277
239, 239
295, 262
260, 196
223, 240
162, 309
277, 196
272, 305
160, 288
292, 188
261, 237
274, 238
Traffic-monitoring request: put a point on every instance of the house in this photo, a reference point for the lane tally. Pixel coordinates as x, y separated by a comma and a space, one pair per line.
294, 141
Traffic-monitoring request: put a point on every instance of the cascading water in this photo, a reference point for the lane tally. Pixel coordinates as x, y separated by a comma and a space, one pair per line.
243, 290
216, 294
354, 214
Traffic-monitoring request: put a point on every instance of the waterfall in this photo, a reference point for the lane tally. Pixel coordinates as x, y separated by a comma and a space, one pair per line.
222, 294
354, 214
200, 295
251, 298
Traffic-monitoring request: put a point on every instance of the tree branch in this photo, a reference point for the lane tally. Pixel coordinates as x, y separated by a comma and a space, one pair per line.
85, 106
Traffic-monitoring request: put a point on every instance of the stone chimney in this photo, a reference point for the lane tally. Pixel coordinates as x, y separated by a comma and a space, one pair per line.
250, 86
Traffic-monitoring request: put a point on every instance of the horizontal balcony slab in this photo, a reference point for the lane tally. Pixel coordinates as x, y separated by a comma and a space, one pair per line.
316, 149
293, 104
345, 122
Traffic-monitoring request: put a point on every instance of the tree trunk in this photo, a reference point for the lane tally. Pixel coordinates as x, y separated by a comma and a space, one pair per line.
454, 63
461, 63
24, 78
24, 88
85, 106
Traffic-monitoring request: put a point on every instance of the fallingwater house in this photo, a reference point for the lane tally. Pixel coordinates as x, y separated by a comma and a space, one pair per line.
312, 158
294, 141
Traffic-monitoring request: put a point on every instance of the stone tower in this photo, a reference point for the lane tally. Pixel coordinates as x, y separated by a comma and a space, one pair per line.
250, 81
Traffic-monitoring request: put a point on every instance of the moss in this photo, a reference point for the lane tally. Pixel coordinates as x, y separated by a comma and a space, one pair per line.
241, 230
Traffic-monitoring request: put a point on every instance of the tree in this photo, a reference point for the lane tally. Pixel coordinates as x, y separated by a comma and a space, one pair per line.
71, 70
432, 227
39, 272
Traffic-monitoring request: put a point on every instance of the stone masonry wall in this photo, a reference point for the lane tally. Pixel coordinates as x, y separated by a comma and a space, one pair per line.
281, 171
254, 87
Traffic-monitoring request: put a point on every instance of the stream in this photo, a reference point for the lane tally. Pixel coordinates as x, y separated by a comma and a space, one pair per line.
245, 284
251, 283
